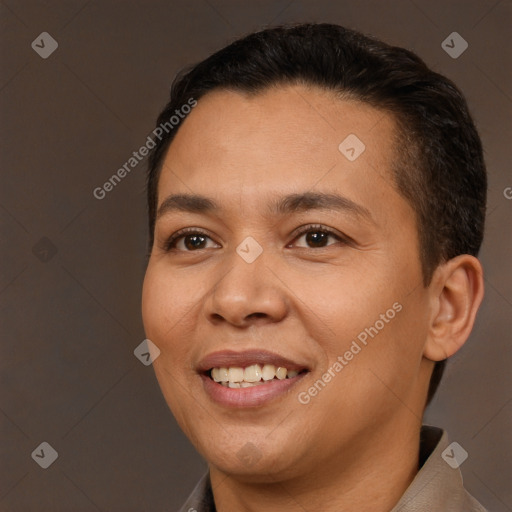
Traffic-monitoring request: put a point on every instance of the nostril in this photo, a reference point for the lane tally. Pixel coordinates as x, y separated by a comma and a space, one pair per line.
257, 315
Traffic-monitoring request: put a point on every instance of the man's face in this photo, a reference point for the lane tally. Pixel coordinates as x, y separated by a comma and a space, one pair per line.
331, 280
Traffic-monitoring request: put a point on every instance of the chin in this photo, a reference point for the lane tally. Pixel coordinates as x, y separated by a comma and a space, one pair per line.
254, 461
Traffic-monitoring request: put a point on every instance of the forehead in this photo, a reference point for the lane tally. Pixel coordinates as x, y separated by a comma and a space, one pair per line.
283, 140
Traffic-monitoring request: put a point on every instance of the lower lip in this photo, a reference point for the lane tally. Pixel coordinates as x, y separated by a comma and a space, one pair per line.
253, 396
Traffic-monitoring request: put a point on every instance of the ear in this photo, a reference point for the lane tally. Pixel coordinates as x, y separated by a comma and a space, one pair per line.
456, 292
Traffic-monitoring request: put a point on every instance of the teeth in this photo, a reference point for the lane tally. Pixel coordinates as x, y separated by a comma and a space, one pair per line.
236, 374
250, 384
281, 373
220, 374
268, 372
253, 375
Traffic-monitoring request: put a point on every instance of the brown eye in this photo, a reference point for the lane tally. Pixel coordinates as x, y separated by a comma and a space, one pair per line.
189, 240
192, 242
316, 237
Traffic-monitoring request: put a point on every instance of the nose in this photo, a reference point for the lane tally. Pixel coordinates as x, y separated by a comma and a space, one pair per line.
247, 294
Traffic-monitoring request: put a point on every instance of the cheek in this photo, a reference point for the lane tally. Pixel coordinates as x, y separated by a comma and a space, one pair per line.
166, 309
168, 303
374, 323
347, 302
156, 299
381, 358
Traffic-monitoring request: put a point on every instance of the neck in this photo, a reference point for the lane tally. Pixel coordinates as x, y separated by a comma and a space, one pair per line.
371, 477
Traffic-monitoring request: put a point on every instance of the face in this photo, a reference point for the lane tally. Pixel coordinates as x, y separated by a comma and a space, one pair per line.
288, 265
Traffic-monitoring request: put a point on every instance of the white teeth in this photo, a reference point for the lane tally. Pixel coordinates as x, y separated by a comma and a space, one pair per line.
236, 374
268, 372
223, 374
252, 373
250, 384
281, 373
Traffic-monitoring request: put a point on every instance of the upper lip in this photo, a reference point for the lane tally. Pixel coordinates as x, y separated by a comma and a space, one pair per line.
231, 358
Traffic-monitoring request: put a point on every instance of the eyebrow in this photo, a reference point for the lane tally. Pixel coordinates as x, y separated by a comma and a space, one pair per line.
193, 203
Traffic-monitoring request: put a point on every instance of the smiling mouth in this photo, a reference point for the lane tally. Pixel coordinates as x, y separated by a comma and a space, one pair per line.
249, 376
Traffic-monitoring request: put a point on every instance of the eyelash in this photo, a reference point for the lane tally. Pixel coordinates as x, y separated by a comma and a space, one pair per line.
173, 239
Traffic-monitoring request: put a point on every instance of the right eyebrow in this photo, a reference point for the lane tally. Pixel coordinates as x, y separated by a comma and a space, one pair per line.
186, 203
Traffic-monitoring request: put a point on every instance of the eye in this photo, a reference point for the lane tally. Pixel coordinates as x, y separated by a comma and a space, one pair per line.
189, 240
317, 237
310, 237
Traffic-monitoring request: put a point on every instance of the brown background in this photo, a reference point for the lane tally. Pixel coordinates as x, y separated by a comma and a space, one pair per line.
71, 320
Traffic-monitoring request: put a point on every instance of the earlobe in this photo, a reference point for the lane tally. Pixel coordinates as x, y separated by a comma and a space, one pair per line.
457, 290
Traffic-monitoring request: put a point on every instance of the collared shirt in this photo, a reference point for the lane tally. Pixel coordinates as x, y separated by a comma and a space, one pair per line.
437, 487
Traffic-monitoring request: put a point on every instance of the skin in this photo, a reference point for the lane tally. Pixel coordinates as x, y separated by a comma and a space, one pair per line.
354, 446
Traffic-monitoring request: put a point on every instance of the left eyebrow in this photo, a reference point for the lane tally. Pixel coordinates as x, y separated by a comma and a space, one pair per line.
194, 203
318, 201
